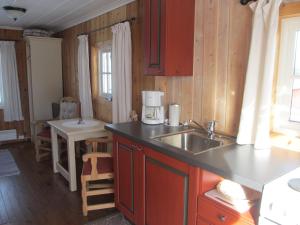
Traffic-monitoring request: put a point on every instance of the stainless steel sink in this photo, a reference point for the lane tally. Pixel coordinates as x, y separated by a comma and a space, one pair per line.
194, 141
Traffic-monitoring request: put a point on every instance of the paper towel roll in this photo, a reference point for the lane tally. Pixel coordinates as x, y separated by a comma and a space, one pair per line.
174, 114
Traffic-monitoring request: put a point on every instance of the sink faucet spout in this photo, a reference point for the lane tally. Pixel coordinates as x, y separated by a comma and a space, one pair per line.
80, 121
210, 127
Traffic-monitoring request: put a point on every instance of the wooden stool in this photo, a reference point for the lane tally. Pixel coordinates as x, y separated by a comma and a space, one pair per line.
42, 142
96, 166
102, 142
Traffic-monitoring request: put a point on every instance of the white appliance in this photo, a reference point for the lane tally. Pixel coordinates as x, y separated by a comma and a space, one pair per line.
174, 115
44, 69
280, 203
153, 111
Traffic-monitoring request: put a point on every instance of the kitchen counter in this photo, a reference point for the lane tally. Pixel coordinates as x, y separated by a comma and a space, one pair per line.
240, 163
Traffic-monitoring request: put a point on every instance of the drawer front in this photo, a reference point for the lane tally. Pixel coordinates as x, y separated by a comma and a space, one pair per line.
216, 215
202, 222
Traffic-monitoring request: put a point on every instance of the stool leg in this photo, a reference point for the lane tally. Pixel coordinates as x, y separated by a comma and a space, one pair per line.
37, 150
95, 146
84, 196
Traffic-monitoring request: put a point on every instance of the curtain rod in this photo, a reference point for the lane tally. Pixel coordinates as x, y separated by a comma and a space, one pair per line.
108, 26
13, 39
245, 2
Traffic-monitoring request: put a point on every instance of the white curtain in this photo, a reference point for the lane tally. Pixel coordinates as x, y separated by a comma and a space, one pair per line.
255, 117
84, 83
121, 72
10, 82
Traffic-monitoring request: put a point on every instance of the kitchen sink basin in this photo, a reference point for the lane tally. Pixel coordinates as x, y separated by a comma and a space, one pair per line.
194, 141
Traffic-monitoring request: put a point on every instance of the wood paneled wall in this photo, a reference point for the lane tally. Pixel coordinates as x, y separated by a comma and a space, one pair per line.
222, 38
221, 48
103, 108
23, 127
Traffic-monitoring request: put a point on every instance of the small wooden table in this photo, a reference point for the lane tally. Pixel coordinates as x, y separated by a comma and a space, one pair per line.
72, 134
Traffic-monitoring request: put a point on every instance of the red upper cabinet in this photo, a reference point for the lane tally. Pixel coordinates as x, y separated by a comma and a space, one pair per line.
169, 37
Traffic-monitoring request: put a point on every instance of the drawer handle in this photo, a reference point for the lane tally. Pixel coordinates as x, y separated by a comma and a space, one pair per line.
222, 218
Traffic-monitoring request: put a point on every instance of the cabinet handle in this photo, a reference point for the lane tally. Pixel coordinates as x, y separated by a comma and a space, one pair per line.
139, 148
222, 218
135, 147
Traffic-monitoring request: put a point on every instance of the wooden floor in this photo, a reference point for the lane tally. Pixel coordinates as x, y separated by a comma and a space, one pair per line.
37, 196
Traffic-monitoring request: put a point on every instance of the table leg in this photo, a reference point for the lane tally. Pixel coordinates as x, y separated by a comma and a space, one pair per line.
72, 165
54, 144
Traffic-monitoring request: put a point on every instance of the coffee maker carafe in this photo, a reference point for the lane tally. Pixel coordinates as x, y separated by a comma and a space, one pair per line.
153, 111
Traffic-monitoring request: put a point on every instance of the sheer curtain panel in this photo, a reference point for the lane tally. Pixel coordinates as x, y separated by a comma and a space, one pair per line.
10, 82
121, 72
256, 110
84, 83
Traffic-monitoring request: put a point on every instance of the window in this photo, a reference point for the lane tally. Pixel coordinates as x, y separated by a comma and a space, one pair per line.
295, 100
287, 108
104, 70
1, 92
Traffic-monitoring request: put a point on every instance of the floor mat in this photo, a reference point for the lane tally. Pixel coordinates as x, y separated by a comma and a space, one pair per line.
3, 214
8, 166
114, 219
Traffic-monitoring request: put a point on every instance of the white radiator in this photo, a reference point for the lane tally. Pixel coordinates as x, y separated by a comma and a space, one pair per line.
8, 135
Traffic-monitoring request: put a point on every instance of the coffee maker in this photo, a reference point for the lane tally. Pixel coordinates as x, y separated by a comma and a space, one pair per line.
153, 111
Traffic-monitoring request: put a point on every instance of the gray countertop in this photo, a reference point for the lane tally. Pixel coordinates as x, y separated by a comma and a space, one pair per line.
240, 163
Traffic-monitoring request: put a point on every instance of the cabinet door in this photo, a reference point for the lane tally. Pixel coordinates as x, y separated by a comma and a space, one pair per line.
126, 165
168, 191
154, 37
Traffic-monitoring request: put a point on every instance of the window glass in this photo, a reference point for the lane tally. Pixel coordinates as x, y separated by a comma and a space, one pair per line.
295, 100
1, 90
295, 103
297, 55
104, 62
286, 116
1, 94
104, 65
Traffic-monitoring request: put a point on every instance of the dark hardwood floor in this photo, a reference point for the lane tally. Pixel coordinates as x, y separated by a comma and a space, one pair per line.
37, 196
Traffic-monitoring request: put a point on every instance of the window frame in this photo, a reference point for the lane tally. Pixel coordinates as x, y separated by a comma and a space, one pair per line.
285, 77
103, 48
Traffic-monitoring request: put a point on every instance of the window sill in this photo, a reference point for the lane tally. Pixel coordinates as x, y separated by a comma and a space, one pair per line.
103, 99
291, 143
106, 98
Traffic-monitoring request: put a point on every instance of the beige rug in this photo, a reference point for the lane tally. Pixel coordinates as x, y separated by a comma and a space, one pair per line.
3, 213
8, 166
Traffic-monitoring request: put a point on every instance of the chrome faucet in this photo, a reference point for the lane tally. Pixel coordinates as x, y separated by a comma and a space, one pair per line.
210, 129
80, 121
211, 125
197, 124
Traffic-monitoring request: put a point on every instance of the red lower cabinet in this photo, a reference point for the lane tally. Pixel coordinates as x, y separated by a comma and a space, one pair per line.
127, 159
168, 191
152, 188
